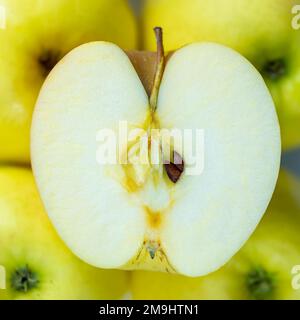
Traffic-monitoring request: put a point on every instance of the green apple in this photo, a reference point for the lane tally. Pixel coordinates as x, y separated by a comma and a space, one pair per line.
262, 269
261, 30
37, 263
38, 33
148, 215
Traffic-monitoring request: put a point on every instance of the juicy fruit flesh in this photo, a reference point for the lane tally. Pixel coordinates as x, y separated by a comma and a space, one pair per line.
134, 216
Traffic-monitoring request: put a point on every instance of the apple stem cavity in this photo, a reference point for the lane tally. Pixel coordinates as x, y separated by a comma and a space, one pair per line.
160, 66
24, 279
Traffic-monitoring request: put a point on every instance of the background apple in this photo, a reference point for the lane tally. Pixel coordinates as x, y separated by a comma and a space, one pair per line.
38, 33
259, 29
37, 263
260, 270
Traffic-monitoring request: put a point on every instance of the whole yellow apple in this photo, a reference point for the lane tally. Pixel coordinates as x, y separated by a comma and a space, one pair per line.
36, 262
34, 36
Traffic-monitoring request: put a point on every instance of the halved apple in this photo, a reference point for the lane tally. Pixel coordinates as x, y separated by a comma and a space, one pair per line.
136, 216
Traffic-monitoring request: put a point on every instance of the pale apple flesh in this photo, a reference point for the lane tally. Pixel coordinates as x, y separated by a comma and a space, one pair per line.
133, 216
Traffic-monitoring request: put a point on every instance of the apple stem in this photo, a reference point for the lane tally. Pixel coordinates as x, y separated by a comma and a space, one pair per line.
160, 65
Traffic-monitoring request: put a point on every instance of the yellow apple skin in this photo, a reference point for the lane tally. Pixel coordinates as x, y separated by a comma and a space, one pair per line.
274, 247
259, 29
36, 30
28, 239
